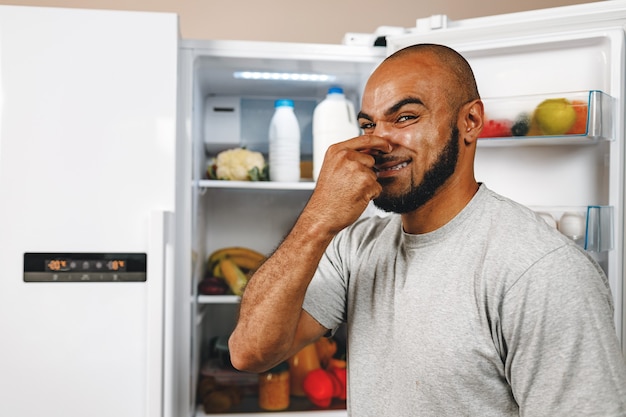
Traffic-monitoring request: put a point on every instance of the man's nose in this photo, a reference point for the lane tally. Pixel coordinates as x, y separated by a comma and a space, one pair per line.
385, 130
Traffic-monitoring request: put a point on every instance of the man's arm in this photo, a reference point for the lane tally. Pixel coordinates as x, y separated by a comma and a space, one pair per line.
563, 353
272, 325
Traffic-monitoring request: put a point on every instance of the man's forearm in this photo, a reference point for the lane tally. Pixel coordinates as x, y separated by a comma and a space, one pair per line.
267, 329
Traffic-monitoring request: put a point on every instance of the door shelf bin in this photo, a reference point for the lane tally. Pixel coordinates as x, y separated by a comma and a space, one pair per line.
582, 117
590, 227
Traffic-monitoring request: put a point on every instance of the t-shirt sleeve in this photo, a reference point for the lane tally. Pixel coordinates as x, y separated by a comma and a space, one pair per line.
325, 298
563, 355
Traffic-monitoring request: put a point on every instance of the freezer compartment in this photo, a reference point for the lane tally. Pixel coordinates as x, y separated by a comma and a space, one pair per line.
549, 119
590, 227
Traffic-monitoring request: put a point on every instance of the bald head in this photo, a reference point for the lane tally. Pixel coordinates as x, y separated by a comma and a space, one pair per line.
463, 84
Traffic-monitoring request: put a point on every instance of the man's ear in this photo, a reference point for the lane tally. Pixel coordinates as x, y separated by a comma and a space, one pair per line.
472, 117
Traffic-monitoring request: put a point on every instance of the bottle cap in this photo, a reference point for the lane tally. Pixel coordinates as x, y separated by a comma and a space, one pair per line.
335, 90
283, 102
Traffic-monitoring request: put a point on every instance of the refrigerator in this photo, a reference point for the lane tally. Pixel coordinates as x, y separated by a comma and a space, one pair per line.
109, 121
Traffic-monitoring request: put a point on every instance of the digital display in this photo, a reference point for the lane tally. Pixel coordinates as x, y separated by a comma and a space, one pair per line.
65, 264
84, 267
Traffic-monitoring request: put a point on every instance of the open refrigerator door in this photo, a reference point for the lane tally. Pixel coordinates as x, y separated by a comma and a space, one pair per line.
573, 174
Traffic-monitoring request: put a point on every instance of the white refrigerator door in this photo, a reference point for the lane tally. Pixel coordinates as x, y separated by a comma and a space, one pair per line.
549, 52
87, 166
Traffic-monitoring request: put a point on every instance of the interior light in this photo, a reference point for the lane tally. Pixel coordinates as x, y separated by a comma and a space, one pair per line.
283, 76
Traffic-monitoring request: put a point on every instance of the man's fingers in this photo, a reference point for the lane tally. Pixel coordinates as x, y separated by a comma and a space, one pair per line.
368, 144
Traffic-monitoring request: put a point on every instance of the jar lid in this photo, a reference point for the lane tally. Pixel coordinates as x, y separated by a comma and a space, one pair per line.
281, 367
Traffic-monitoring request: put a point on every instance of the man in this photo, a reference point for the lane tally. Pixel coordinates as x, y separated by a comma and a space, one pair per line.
465, 303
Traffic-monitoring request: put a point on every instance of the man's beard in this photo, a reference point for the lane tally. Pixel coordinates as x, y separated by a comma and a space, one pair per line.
435, 177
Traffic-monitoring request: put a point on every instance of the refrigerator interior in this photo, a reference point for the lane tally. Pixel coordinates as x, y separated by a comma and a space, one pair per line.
552, 174
229, 112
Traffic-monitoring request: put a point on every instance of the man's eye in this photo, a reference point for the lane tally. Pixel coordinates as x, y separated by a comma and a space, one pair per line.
406, 118
366, 126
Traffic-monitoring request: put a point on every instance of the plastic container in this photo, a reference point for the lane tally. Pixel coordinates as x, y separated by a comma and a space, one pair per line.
591, 227
274, 388
334, 120
284, 143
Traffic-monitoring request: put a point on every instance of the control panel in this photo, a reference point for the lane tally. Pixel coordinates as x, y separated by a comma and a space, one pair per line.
85, 267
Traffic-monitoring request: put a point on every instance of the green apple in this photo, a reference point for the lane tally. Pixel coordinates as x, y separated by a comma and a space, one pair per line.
555, 116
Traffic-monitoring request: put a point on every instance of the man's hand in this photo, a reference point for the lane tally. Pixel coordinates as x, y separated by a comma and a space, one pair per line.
347, 182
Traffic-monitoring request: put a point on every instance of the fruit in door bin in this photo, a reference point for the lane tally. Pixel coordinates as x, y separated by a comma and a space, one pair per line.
521, 126
534, 129
496, 128
555, 116
580, 125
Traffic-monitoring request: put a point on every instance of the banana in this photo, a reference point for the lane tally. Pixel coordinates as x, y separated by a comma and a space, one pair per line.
244, 257
233, 275
250, 263
217, 271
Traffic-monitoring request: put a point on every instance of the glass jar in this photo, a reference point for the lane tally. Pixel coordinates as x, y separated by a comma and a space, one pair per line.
274, 388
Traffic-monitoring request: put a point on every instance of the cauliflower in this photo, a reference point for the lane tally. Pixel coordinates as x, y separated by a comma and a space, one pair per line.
240, 164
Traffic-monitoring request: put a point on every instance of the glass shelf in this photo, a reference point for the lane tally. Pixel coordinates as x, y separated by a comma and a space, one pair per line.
299, 407
219, 299
574, 118
306, 185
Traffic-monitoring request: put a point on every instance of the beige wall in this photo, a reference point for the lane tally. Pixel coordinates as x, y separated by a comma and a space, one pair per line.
320, 21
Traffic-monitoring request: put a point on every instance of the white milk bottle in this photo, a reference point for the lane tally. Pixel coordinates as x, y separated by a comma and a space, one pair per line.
334, 120
284, 143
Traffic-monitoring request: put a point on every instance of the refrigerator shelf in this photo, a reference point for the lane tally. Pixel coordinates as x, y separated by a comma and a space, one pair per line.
219, 299
299, 407
258, 185
574, 118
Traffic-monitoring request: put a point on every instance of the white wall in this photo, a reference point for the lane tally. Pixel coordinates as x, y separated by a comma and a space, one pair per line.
319, 21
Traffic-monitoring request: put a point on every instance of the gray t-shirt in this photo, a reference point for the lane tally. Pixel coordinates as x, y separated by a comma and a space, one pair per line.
493, 314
